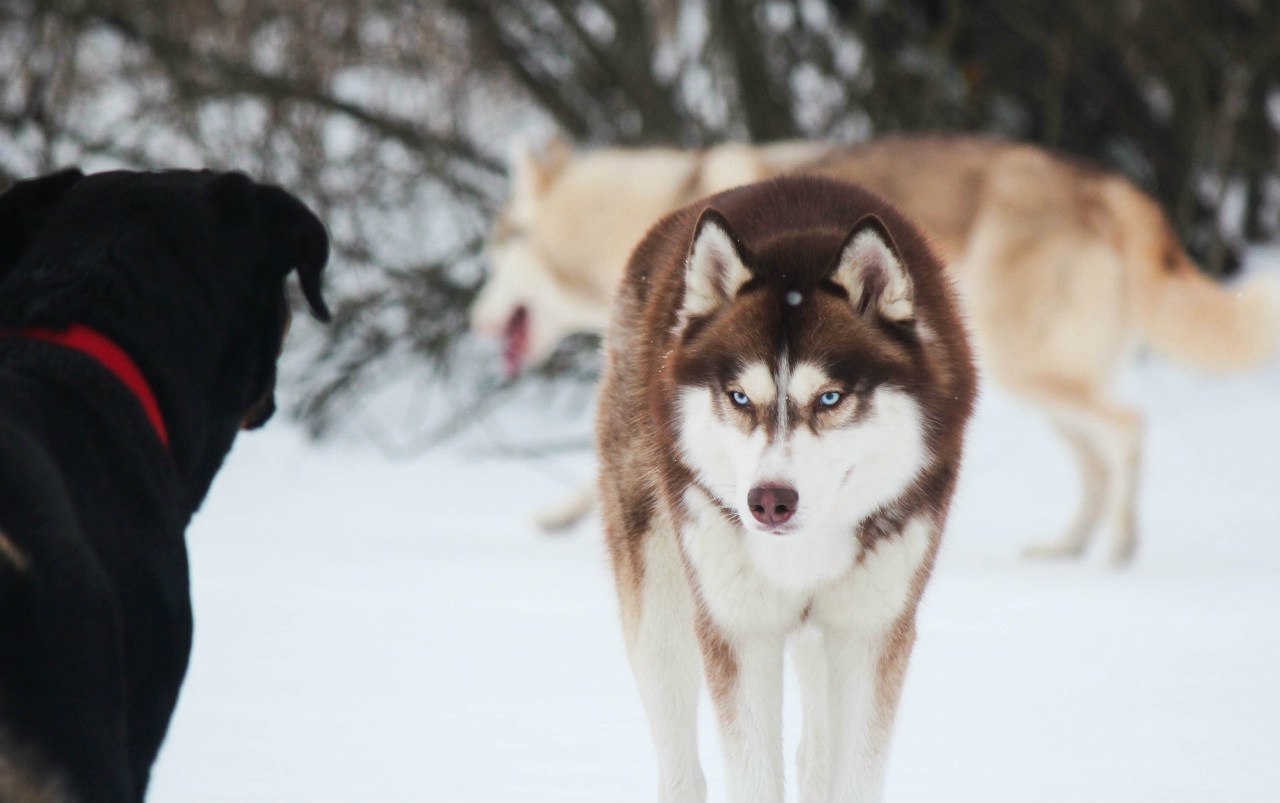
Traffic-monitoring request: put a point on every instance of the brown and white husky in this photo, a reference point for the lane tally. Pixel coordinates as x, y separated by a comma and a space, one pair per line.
1063, 270
786, 389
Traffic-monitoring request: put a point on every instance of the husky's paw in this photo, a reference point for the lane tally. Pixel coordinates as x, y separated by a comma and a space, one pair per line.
690, 789
552, 520
1056, 550
563, 514
1122, 552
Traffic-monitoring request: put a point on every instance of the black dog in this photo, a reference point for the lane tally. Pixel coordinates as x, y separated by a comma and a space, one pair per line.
141, 317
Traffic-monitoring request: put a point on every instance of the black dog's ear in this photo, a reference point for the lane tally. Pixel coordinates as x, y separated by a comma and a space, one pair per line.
304, 240
23, 211
298, 240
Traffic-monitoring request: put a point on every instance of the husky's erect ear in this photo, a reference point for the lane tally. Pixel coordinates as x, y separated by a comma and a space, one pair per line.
715, 269
870, 270
23, 211
533, 171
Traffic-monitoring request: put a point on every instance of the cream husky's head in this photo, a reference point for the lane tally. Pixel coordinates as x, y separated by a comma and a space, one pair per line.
806, 380
524, 302
561, 242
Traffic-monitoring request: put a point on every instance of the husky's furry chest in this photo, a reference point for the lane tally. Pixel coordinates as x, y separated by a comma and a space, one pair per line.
780, 429
842, 581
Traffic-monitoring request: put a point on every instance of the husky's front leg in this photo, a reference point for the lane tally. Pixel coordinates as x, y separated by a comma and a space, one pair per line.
664, 658
813, 756
866, 673
868, 624
744, 674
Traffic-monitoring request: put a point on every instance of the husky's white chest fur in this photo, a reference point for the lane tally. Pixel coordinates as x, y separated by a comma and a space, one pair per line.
751, 582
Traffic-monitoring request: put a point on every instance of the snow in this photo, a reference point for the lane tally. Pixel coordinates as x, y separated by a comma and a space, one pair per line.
397, 631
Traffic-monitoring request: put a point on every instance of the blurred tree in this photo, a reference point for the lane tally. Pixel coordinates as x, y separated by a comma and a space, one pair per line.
390, 116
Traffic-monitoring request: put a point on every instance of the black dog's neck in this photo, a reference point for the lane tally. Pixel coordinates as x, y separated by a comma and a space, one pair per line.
182, 372
185, 381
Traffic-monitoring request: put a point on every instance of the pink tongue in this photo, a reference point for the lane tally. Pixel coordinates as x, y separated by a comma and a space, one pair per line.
517, 342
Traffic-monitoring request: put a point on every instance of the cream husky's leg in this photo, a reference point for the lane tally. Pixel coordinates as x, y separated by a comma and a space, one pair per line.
1094, 481
664, 658
1122, 514
1114, 435
745, 677
813, 756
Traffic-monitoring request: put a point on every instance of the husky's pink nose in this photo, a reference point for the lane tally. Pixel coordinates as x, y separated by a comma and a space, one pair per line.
773, 504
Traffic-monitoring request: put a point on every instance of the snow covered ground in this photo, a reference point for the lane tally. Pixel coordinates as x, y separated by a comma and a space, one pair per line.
369, 630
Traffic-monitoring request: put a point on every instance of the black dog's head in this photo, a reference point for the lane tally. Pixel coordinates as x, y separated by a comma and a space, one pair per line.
297, 241
185, 270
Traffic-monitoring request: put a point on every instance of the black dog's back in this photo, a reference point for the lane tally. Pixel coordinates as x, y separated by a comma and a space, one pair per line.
52, 601
97, 622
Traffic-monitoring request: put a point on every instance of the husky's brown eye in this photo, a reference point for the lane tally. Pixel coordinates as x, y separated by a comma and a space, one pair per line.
739, 398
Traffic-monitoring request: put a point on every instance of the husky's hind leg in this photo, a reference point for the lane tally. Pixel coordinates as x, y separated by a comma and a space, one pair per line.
664, 657
1122, 512
1111, 435
1094, 481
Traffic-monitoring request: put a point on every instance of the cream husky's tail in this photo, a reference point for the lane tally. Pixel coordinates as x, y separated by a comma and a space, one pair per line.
1188, 317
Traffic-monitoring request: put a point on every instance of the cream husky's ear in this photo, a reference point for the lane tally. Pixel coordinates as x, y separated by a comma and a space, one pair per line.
714, 270
533, 171
871, 271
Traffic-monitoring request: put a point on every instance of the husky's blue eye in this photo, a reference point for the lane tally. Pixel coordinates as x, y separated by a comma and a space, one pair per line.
830, 399
740, 398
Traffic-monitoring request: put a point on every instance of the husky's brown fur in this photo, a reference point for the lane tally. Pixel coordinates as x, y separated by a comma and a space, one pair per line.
1063, 268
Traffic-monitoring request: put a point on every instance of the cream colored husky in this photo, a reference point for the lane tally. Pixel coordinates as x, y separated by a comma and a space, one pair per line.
1064, 269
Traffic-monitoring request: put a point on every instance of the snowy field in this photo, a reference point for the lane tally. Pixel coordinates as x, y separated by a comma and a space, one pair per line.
369, 630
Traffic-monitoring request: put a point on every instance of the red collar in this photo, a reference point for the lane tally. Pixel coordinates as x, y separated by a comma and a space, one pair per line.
110, 356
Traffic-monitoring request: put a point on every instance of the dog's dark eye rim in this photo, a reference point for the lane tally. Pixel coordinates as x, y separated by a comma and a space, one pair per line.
739, 398
822, 398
